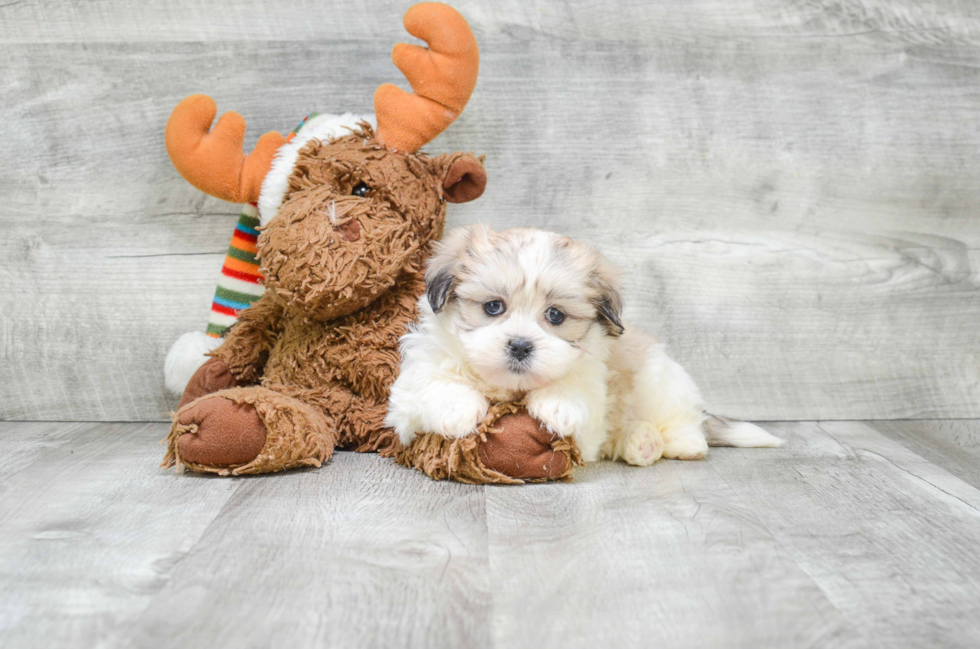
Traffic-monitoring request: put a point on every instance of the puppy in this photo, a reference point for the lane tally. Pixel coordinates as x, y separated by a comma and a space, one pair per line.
527, 314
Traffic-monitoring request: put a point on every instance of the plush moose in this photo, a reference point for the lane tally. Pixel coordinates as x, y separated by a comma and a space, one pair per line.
346, 218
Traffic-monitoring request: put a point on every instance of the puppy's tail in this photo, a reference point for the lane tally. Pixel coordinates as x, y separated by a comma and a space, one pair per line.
729, 432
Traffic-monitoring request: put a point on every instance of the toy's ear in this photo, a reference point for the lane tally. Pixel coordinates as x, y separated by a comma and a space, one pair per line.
462, 174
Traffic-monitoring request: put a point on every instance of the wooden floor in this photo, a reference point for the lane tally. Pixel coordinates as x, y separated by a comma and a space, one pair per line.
853, 534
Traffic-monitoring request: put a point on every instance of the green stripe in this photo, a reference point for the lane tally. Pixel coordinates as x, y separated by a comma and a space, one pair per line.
242, 255
235, 296
217, 330
248, 221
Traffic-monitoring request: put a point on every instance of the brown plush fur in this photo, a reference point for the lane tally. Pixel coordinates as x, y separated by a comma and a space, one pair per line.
338, 297
315, 357
296, 434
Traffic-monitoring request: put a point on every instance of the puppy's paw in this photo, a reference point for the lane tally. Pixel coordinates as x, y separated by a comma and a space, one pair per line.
563, 417
642, 445
459, 412
685, 445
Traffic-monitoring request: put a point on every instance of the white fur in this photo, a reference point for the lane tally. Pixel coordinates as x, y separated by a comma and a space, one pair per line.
619, 397
725, 432
185, 357
322, 127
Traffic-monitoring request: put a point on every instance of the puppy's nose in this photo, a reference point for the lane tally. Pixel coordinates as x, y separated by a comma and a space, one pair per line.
520, 348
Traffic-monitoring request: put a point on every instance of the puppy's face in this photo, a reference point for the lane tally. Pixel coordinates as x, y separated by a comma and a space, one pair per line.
524, 304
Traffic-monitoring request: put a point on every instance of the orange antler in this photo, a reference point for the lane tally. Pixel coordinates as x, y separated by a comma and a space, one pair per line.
443, 77
215, 162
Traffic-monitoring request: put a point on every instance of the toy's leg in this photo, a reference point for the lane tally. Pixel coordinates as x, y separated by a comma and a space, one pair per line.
509, 447
363, 428
249, 430
214, 375
359, 421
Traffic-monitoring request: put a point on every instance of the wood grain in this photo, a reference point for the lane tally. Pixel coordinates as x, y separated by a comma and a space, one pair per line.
361, 553
91, 529
842, 538
791, 187
887, 535
683, 563
954, 445
622, 21
22, 444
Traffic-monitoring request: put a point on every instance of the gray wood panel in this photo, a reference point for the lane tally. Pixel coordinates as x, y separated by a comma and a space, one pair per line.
791, 186
889, 537
954, 444
91, 530
361, 553
22, 444
625, 21
668, 557
842, 538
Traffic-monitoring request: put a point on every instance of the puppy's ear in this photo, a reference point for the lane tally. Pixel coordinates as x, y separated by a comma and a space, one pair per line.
609, 299
462, 176
438, 286
446, 263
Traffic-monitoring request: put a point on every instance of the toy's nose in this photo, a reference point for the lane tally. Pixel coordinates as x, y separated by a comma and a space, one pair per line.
349, 231
520, 348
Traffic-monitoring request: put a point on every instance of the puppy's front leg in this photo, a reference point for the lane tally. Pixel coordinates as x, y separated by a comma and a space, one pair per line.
439, 406
575, 406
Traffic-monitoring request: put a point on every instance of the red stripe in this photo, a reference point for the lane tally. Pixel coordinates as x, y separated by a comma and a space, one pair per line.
245, 277
251, 238
220, 308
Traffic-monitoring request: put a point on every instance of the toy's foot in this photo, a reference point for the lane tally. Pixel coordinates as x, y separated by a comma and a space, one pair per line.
220, 433
249, 430
214, 375
508, 447
522, 448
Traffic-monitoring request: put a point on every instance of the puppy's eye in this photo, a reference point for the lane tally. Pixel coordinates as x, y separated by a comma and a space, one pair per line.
494, 307
555, 316
360, 189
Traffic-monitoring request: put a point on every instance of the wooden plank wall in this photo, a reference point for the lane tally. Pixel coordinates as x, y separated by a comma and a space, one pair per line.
792, 185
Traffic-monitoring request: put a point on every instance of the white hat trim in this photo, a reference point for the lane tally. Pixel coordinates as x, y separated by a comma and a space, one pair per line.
323, 127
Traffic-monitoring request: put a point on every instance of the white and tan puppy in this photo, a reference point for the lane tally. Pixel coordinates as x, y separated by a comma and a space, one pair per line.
530, 314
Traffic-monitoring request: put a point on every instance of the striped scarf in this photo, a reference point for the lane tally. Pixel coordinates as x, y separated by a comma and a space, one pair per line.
240, 284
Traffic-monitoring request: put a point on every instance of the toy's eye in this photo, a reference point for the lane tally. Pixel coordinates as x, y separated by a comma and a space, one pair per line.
494, 307
360, 189
555, 316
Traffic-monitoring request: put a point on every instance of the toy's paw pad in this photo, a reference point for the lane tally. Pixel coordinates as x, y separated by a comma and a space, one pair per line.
643, 444
522, 449
214, 375
227, 433
688, 446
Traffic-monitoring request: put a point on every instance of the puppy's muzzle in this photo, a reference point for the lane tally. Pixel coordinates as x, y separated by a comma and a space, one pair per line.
519, 348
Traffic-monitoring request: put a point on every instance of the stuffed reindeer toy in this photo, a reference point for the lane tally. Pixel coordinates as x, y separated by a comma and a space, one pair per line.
328, 258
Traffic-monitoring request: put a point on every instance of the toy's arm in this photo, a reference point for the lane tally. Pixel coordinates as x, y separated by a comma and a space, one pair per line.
247, 343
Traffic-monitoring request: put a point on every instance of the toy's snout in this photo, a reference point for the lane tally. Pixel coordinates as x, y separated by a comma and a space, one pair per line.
328, 254
349, 231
